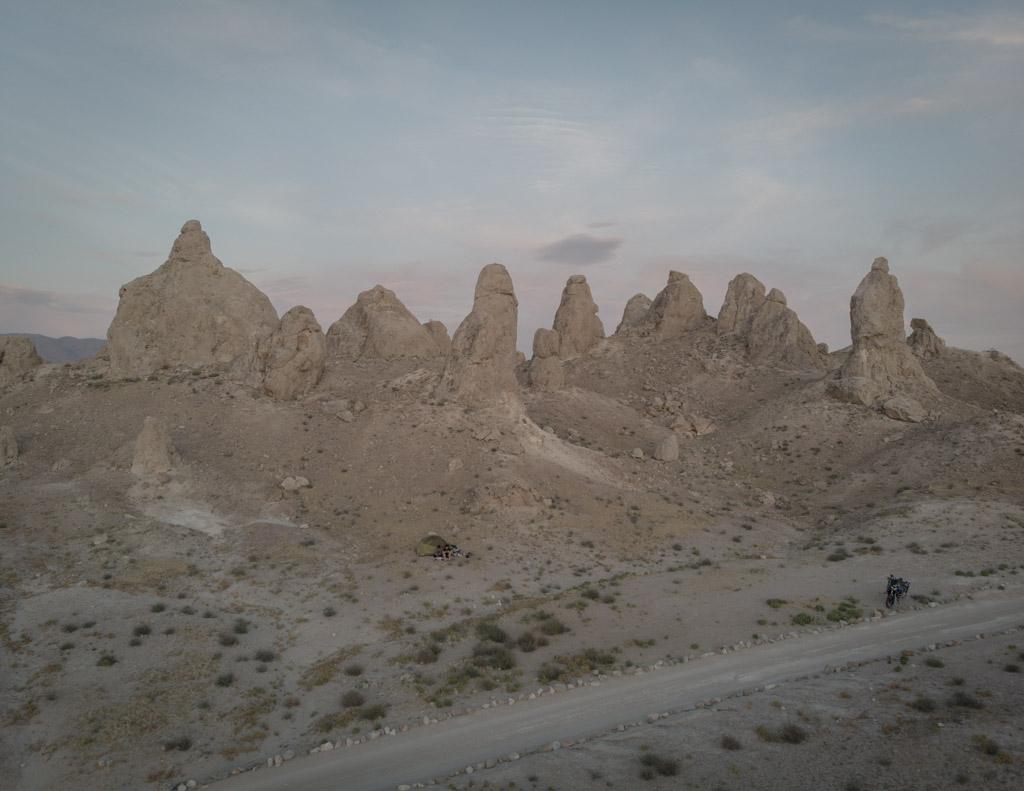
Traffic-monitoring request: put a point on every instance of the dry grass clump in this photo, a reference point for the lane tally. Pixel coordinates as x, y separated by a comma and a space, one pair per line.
655, 764
790, 733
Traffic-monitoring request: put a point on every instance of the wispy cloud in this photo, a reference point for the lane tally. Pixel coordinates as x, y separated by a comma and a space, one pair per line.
993, 28
55, 313
580, 250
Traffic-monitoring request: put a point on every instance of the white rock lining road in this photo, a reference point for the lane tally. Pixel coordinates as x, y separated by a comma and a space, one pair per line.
450, 746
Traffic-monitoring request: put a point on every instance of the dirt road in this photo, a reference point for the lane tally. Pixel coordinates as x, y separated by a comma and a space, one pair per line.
443, 749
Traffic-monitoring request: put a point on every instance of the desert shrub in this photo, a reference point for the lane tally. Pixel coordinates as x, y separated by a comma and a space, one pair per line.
924, 704
428, 654
226, 639
802, 619
179, 743
839, 554
374, 712
591, 593
494, 656
265, 655
329, 612
66, 646
966, 701
141, 629
1012, 668
488, 630
776, 603
352, 698
552, 626
225, 679
730, 742
107, 660
241, 626
661, 764
69, 627
790, 733
934, 661
158, 607
354, 669
986, 745
527, 642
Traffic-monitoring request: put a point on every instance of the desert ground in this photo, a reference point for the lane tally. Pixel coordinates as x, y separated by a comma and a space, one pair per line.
162, 630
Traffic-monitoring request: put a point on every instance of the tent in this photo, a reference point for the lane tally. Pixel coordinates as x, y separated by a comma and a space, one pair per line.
429, 544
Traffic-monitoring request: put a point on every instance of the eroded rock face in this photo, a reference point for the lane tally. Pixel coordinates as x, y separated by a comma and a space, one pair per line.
436, 330
634, 313
192, 311
8, 445
154, 451
923, 341
576, 320
743, 298
880, 359
18, 359
480, 367
292, 359
378, 325
776, 336
546, 370
677, 308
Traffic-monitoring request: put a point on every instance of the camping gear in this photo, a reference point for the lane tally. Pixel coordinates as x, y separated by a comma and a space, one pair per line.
429, 544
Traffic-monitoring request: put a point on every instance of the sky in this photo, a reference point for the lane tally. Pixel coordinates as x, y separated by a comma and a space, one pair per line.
327, 147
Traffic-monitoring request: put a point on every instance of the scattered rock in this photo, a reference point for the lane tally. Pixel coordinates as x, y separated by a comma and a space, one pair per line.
668, 449
904, 408
923, 341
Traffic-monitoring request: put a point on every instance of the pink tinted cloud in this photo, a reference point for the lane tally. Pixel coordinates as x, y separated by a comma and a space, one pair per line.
55, 313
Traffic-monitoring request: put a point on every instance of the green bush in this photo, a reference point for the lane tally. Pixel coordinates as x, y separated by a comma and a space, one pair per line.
802, 619
552, 626
488, 630
352, 699
776, 603
494, 656
662, 765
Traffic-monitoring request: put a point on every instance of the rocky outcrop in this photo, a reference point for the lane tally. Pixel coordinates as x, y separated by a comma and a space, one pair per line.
292, 358
480, 367
192, 311
667, 449
439, 332
775, 336
677, 308
8, 446
546, 371
18, 359
772, 332
378, 325
923, 341
743, 298
634, 313
880, 360
154, 451
576, 320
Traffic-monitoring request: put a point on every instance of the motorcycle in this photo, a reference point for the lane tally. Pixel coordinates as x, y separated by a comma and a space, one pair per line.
895, 589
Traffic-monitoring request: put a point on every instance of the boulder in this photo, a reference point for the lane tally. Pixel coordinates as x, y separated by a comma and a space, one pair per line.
880, 352
154, 451
576, 320
436, 330
634, 313
677, 308
743, 298
292, 358
693, 425
901, 407
192, 311
668, 449
18, 359
8, 446
480, 369
923, 341
379, 326
546, 371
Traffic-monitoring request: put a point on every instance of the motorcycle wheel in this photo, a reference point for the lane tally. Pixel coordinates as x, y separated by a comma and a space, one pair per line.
890, 600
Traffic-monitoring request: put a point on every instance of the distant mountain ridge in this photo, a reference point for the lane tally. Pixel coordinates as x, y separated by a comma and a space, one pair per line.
62, 350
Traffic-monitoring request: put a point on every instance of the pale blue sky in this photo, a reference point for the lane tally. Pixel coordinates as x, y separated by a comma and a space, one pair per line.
330, 146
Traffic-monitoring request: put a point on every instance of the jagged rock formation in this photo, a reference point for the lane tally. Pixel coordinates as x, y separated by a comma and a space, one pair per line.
480, 367
154, 451
880, 360
634, 313
923, 341
776, 336
18, 359
378, 325
546, 371
576, 320
772, 332
436, 330
743, 298
292, 358
192, 311
677, 308
8, 446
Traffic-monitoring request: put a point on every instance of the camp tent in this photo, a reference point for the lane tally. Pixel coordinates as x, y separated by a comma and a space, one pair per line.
429, 544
